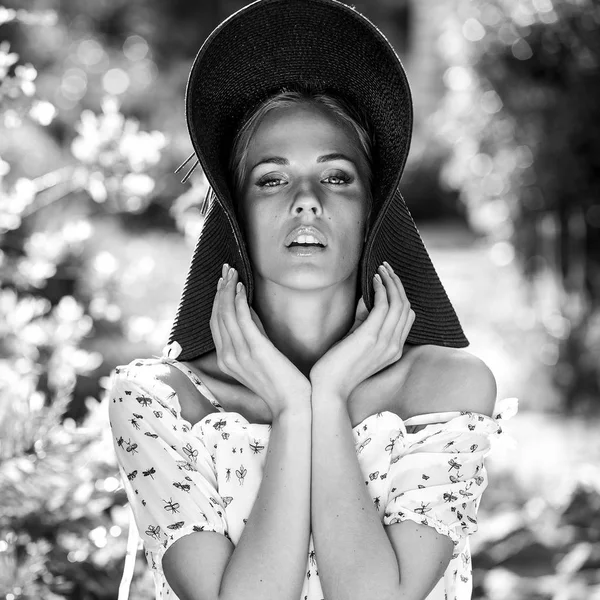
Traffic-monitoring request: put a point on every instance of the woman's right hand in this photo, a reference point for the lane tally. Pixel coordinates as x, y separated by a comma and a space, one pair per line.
246, 353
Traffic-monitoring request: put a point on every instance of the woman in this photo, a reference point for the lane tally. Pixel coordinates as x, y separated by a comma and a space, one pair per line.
306, 433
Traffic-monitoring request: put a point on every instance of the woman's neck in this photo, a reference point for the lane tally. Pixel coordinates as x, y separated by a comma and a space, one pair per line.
303, 325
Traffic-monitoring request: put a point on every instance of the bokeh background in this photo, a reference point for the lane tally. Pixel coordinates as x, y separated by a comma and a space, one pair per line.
96, 233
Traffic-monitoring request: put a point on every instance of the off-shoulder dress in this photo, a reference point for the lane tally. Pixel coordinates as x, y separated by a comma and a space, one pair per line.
181, 478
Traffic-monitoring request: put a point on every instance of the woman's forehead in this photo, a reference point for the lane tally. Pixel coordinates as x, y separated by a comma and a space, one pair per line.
285, 127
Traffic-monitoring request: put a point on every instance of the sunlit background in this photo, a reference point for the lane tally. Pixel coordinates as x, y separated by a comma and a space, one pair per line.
96, 233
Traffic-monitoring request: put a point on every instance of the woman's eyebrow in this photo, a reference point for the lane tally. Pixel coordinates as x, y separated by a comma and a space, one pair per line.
334, 156
279, 160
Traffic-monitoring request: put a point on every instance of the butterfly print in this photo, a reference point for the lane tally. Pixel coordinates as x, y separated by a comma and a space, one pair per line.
131, 447
144, 400
424, 508
256, 447
172, 506
241, 473
220, 424
192, 453
182, 486
153, 531
444, 505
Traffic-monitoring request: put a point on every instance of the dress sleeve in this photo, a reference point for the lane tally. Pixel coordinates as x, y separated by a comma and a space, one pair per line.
437, 477
167, 471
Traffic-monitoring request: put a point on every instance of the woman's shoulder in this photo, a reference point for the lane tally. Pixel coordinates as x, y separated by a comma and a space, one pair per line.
441, 379
166, 382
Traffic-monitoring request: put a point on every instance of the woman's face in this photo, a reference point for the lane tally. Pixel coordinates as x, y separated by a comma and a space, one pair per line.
304, 168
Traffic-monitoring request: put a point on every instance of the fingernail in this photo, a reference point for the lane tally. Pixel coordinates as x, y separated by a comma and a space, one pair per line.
388, 266
220, 283
224, 269
238, 287
378, 277
231, 272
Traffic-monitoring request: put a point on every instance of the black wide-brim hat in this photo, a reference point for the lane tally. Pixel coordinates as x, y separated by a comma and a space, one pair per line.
326, 46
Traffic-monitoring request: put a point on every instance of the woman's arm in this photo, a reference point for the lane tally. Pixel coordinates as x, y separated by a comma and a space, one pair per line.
355, 555
270, 558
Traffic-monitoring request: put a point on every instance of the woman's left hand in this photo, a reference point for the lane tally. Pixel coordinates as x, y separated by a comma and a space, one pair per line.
375, 340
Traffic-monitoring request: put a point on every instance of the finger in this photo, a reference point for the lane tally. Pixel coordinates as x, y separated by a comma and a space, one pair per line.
395, 312
230, 318
251, 329
226, 343
400, 287
380, 307
214, 323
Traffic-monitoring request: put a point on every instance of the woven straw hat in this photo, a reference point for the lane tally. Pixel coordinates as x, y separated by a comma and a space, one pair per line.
268, 46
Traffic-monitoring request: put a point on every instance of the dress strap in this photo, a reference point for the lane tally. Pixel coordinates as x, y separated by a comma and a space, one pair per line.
193, 377
429, 418
133, 540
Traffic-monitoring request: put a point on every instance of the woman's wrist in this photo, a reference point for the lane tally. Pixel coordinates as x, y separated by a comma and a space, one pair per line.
297, 411
327, 399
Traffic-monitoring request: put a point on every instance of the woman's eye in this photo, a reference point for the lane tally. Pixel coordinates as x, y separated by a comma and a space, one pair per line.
337, 179
270, 182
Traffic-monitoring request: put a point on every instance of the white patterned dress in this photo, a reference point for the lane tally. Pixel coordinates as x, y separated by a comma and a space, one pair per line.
181, 478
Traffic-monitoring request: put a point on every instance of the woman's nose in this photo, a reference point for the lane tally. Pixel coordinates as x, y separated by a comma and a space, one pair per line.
307, 199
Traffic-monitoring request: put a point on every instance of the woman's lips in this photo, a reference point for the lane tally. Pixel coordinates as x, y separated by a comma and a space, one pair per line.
306, 250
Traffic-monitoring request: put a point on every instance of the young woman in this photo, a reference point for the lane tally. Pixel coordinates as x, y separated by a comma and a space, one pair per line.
311, 430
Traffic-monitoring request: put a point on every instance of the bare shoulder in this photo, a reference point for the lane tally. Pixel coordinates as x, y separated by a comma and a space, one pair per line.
443, 379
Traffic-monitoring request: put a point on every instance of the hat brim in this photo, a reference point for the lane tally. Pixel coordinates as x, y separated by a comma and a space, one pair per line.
324, 45
272, 45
